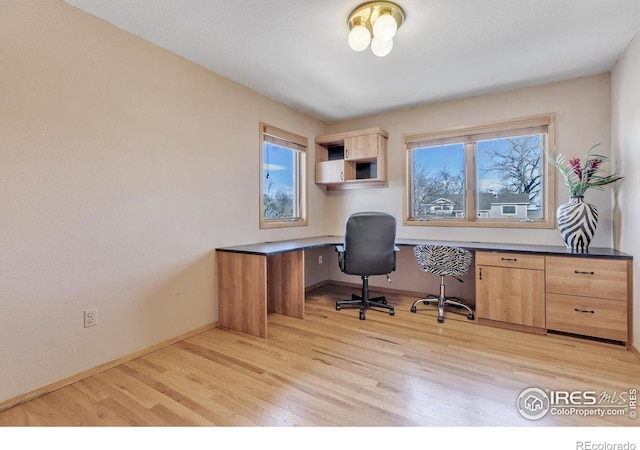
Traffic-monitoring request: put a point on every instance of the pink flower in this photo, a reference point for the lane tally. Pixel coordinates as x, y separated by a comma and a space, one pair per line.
580, 177
592, 168
574, 164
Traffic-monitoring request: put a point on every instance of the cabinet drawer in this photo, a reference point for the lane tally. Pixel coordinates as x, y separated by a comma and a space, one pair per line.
603, 278
514, 260
587, 316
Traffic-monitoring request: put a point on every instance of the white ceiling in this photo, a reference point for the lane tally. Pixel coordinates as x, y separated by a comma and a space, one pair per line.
296, 51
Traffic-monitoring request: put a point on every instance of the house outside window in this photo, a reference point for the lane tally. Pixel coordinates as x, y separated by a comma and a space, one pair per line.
283, 178
484, 175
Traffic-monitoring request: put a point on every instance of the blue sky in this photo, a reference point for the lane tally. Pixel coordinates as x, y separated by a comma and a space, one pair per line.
452, 157
279, 164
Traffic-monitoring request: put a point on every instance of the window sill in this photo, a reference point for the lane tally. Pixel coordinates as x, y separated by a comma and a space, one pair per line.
283, 223
479, 224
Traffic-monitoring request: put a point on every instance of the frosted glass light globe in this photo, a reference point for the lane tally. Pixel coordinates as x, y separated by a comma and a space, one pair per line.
385, 27
380, 47
359, 38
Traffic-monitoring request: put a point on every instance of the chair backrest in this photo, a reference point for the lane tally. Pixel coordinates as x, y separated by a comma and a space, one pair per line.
369, 244
443, 259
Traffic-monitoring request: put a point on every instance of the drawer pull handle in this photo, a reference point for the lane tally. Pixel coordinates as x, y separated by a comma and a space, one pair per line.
590, 311
584, 273
509, 259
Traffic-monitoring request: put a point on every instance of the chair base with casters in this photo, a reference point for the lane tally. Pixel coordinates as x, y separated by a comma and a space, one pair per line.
443, 300
364, 302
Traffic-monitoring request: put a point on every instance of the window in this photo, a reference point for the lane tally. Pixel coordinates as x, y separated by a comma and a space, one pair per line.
484, 175
283, 184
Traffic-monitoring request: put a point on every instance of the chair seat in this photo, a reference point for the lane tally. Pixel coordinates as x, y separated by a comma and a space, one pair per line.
443, 259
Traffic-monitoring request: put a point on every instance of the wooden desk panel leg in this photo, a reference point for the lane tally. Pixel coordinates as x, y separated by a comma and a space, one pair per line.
242, 292
286, 284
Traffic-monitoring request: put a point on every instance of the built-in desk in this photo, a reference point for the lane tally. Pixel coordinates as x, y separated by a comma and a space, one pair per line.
257, 279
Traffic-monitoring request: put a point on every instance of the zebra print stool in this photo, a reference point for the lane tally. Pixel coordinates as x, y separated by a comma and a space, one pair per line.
443, 260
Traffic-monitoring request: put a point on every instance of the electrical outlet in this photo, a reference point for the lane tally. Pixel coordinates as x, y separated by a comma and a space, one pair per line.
90, 317
320, 259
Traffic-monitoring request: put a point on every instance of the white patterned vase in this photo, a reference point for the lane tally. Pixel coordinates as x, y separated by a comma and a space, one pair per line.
577, 222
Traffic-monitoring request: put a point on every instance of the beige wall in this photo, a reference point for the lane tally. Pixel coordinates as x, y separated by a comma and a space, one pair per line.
122, 167
625, 82
583, 117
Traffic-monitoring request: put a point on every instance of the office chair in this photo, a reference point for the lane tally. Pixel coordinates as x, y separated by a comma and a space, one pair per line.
443, 260
369, 249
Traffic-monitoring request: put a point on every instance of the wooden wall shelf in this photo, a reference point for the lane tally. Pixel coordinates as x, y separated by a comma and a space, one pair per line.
352, 160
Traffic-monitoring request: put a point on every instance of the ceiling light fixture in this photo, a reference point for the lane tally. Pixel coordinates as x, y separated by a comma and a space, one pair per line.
375, 23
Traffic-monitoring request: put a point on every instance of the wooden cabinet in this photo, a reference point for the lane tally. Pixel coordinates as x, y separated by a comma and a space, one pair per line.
510, 290
328, 172
580, 295
354, 159
588, 296
365, 146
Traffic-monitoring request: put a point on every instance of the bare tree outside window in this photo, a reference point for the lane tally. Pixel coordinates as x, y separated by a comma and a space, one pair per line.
511, 169
439, 182
277, 203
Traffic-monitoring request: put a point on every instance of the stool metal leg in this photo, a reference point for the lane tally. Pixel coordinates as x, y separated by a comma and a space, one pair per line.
425, 301
442, 301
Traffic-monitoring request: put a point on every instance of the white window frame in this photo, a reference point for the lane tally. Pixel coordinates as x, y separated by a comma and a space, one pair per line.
469, 135
299, 144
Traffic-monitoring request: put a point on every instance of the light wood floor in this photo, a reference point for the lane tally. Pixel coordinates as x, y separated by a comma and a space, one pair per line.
332, 369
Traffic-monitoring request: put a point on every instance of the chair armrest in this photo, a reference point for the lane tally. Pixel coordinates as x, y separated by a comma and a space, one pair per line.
340, 250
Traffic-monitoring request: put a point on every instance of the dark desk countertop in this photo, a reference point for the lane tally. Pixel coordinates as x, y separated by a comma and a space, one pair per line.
276, 247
